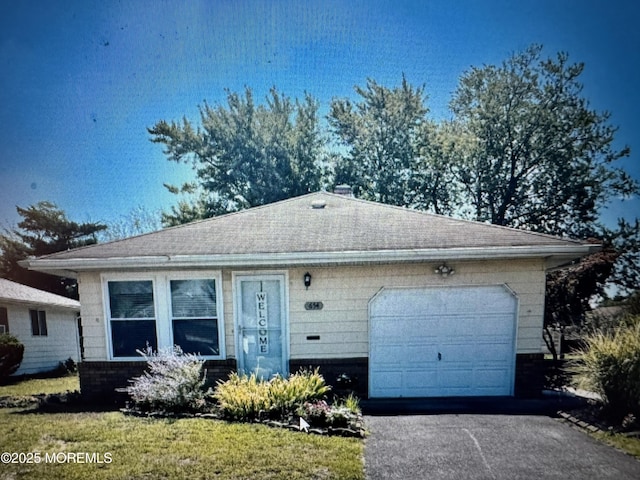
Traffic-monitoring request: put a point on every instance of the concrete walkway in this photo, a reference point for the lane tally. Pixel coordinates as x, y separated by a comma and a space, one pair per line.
487, 445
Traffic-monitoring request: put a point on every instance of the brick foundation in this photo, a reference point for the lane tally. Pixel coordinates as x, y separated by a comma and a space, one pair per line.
345, 375
99, 380
529, 379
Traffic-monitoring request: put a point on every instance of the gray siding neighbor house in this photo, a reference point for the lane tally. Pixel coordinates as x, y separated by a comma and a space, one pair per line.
400, 302
45, 323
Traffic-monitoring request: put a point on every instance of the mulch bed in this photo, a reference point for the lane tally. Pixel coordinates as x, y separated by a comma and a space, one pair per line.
72, 401
355, 430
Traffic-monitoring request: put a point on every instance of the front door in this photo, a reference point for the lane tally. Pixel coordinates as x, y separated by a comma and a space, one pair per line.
260, 318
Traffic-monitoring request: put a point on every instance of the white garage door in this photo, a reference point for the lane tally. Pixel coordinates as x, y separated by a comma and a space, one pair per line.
441, 342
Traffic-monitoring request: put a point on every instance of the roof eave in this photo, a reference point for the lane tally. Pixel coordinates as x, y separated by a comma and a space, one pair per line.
554, 255
15, 301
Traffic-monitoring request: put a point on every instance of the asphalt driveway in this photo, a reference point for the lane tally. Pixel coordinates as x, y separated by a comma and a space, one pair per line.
487, 446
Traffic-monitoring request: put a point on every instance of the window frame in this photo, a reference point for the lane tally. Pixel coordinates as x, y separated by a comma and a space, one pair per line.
107, 310
4, 319
161, 288
41, 318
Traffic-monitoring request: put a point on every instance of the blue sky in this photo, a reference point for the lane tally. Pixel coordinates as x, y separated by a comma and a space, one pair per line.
80, 81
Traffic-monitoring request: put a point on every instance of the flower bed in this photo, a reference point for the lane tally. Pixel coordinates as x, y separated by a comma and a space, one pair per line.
173, 386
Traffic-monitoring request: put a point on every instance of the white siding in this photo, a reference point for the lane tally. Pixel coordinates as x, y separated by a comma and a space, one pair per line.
92, 310
229, 328
45, 352
92, 313
345, 293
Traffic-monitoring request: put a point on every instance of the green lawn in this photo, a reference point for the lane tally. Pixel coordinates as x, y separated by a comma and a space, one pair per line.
630, 445
110, 445
35, 386
134, 448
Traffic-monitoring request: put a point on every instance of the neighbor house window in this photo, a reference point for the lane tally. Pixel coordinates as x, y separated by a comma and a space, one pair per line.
38, 322
194, 316
4, 320
132, 317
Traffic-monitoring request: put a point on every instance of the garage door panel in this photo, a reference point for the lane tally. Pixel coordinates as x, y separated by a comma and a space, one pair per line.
470, 299
457, 341
500, 354
470, 323
420, 354
491, 377
399, 328
474, 352
391, 355
456, 377
391, 379
420, 378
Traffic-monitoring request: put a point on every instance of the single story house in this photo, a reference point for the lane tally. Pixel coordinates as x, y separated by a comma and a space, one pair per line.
45, 323
402, 303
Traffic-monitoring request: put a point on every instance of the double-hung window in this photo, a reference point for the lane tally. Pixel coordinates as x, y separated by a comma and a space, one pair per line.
194, 317
161, 310
132, 317
38, 323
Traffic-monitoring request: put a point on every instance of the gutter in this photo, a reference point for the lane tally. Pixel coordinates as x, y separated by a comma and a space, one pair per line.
554, 255
35, 303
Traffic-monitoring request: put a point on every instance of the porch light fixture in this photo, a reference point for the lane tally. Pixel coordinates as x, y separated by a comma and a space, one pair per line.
307, 280
444, 270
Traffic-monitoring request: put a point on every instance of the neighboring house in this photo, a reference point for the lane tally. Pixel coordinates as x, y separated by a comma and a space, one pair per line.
45, 323
404, 303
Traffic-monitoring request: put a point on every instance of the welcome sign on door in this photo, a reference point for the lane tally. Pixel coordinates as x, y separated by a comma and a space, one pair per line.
262, 316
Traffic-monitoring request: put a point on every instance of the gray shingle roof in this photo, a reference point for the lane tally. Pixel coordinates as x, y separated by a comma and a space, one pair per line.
344, 225
17, 293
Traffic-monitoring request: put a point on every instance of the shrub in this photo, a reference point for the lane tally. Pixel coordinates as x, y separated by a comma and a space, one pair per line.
285, 395
244, 397
352, 403
68, 367
11, 354
340, 416
316, 413
610, 366
343, 413
174, 382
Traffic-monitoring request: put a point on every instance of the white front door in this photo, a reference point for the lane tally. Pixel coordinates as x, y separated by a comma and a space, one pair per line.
261, 325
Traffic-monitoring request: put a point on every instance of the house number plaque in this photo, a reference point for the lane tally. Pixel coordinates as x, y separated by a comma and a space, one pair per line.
313, 306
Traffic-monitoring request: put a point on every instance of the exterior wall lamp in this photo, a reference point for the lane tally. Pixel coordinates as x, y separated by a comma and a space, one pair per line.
444, 270
307, 280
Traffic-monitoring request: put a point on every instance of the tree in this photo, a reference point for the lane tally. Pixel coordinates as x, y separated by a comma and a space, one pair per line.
569, 290
390, 147
43, 230
244, 155
137, 222
530, 153
11, 355
626, 241
540, 158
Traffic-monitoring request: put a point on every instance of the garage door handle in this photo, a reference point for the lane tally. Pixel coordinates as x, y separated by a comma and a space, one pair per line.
439, 356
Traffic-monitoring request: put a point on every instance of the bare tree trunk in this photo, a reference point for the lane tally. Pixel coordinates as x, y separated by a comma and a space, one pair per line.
548, 340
